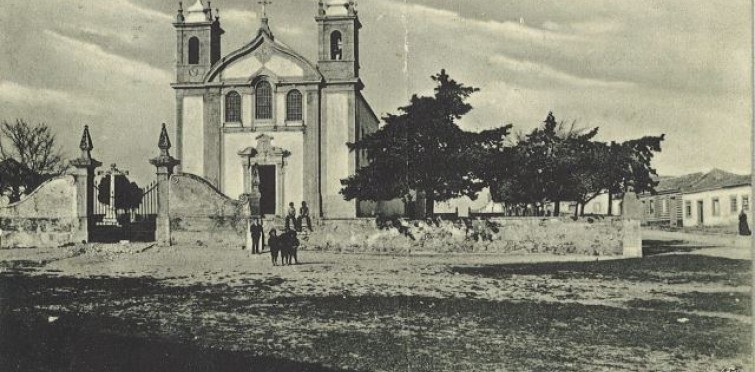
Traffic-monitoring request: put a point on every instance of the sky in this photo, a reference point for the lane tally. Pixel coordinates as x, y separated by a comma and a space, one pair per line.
632, 68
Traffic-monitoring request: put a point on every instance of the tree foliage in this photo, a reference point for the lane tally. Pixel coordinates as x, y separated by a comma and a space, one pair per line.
29, 157
559, 163
128, 195
421, 149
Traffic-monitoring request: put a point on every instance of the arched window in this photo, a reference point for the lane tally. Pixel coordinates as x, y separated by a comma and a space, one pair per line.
233, 107
336, 46
263, 101
194, 51
293, 106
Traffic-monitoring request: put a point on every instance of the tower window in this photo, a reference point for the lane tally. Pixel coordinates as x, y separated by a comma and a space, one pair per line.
336, 46
194, 51
263, 101
233, 107
293, 106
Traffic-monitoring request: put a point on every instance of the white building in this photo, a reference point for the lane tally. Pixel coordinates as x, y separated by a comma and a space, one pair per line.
266, 107
717, 199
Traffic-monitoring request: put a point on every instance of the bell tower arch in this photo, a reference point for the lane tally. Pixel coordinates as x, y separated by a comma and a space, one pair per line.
338, 39
198, 35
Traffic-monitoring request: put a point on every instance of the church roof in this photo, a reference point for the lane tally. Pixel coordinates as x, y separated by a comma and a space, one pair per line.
268, 53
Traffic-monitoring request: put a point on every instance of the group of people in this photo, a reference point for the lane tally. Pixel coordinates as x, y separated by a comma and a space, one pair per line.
292, 218
286, 244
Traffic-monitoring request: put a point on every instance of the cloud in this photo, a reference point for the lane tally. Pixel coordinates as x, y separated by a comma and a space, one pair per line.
544, 71
22, 95
237, 15
446, 18
110, 62
126, 7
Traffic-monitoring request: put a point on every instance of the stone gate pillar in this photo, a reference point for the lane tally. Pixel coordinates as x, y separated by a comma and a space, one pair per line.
84, 179
165, 165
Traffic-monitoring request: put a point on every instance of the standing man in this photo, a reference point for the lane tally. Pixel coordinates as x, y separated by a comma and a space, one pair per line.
304, 215
290, 216
256, 230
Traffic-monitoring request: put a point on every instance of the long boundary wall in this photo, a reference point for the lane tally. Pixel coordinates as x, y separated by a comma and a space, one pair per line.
46, 217
606, 237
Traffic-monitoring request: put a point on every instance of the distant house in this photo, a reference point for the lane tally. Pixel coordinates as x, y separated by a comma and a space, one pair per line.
717, 199
699, 199
664, 207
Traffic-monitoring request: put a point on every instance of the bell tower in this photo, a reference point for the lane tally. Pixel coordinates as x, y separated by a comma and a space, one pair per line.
198, 41
338, 39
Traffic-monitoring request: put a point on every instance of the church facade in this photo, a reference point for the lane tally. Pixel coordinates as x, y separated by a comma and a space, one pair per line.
266, 106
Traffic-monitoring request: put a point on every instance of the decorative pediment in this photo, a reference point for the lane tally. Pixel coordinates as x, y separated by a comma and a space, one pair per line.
263, 53
264, 151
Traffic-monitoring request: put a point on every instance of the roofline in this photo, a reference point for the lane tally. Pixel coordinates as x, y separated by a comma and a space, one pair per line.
367, 103
250, 47
696, 191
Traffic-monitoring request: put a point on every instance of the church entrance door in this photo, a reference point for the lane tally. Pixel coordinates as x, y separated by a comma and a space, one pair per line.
267, 189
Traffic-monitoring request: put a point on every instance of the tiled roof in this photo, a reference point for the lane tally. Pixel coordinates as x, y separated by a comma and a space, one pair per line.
696, 182
675, 184
718, 179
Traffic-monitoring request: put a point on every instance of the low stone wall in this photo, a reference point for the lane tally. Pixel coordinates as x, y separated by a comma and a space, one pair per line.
607, 237
201, 214
46, 217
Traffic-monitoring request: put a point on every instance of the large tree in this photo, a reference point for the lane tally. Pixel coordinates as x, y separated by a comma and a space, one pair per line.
544, 165
628, 167
30, 157
420, 152
555, 162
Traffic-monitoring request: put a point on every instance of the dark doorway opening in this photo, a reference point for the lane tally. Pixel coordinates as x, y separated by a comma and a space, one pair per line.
267, 189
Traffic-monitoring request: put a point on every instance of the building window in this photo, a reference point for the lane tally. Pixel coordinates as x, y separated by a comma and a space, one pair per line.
716, 207
746, 203
263, 101
194, 51
688, 209
293, 106
733, 204
233, 107
336, 46
664, 206
651, 207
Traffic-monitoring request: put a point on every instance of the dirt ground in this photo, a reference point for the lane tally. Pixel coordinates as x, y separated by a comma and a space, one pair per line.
684, 307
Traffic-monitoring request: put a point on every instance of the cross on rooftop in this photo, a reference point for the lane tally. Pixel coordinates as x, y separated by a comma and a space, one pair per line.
264, 4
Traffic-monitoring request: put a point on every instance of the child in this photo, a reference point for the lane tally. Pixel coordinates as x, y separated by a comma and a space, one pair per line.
289, 247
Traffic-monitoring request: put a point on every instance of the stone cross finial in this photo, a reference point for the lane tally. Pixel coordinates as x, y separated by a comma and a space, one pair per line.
164, 143
264, 4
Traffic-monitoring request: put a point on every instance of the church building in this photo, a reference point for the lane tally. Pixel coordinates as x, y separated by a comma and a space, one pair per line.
265, 105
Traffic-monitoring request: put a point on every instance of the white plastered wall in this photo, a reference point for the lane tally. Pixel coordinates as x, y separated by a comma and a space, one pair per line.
193, 135
726, 215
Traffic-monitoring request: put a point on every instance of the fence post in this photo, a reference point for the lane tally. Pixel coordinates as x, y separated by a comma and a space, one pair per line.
165, 165
84, 179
